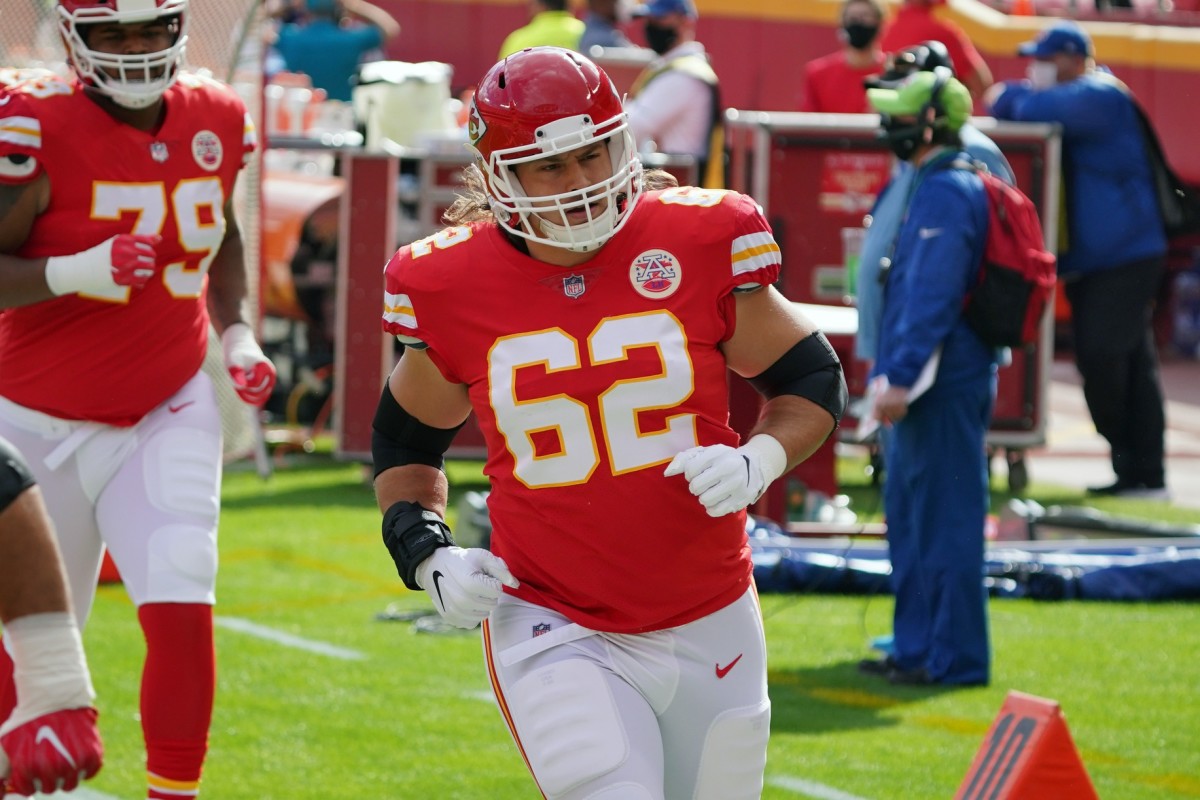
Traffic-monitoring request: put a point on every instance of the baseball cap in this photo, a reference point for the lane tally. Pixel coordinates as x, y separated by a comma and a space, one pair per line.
913, 93
661, 8
1061, 37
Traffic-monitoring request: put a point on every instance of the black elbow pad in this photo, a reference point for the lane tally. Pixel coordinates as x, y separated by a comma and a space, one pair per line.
810, 369
399, 438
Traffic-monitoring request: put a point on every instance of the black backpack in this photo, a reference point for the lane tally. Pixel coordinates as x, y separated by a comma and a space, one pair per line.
1177, 202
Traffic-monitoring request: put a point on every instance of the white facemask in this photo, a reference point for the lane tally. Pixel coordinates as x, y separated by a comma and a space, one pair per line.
1042, 74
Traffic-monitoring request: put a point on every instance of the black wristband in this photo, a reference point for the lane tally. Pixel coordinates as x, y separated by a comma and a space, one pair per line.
411, 533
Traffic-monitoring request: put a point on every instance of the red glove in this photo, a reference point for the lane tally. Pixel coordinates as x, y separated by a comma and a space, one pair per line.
133, 259
53, 752
252, 372
255, 384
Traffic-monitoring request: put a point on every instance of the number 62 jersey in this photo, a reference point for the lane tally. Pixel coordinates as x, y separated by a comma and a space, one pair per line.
586, 382
115, 357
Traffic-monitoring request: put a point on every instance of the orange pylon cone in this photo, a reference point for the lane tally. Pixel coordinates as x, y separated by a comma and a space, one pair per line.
1027, 754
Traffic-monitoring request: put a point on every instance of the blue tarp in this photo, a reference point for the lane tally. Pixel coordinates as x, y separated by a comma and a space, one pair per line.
1081, 569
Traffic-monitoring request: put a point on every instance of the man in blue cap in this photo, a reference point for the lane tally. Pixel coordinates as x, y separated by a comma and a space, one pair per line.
1112, 254
674, 105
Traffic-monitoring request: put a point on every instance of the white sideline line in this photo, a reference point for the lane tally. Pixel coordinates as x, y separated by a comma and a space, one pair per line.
288, 640
82, 793
819, 791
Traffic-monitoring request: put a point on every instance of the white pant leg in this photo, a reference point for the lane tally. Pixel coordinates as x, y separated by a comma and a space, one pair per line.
716, 729
584, 731
158, 510
679, 714
72, 510
150, 492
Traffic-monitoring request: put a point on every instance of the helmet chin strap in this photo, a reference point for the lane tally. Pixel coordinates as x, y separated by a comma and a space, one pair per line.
593, 233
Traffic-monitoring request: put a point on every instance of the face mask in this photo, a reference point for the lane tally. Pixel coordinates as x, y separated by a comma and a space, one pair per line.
1042, 74
903, 138
859, 35
660, 38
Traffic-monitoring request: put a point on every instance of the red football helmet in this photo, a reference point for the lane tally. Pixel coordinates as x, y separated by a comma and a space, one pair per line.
540, 102
131, 80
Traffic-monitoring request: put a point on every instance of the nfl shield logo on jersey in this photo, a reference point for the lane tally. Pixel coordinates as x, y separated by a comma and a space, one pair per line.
573, 286
540, 628
158, 151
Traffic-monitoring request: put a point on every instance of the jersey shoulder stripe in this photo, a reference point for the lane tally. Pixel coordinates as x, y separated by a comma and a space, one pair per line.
398, 310
21, 131
753, 252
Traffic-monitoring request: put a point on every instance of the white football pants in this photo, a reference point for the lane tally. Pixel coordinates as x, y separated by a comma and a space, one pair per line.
149, 492
676, 714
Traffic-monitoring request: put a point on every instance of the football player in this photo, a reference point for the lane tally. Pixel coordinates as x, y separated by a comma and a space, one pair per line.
50, 741
589, 318
118, 248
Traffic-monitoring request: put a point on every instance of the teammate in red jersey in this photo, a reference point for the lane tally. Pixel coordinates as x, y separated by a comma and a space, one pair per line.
589, 320
50, 742
119, 247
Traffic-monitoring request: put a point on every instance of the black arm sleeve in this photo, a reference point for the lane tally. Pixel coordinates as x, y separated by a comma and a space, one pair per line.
399, 438
810, 369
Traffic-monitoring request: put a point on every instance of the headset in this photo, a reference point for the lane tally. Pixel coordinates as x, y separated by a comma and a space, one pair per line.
942, 76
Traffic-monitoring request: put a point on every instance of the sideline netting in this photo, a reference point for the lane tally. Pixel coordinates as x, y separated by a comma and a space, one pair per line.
224, 41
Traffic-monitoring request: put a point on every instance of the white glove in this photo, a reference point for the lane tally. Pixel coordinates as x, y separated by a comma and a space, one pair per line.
464, 583
126, 259
727, 480
252, 373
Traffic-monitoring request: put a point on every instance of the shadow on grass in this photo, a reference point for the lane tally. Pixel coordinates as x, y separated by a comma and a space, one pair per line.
837, 697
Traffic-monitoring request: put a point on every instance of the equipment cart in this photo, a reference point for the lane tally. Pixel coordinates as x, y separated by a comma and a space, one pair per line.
816, 177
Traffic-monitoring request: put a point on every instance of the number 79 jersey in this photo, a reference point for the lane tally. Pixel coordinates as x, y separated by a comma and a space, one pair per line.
113, 357
586, 382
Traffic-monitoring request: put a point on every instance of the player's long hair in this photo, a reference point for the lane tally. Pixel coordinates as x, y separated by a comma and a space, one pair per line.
471, 205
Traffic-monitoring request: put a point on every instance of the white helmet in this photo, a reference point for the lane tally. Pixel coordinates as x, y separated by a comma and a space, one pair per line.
126, 78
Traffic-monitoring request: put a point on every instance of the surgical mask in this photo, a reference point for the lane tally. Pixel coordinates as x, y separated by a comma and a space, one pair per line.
661, 38
1042, 74
859, 35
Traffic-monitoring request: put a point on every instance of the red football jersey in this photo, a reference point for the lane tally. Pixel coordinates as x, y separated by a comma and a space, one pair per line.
914, 24
833, 86
112, 359
586, 382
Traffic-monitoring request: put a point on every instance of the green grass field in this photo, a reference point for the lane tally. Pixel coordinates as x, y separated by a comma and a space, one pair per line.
385, 711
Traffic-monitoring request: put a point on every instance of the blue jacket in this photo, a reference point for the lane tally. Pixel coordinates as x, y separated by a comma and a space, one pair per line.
885, 221
1112, 208
936, 262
